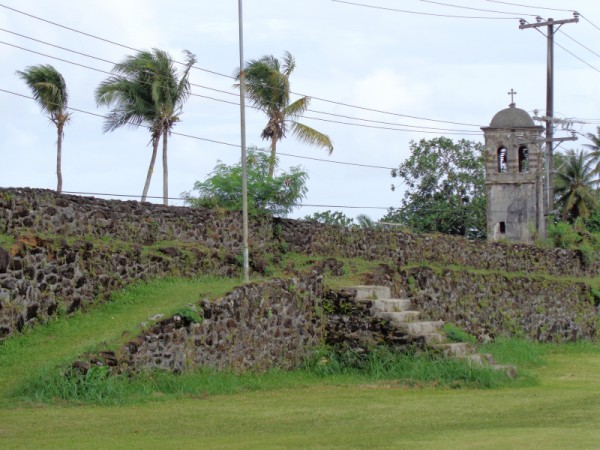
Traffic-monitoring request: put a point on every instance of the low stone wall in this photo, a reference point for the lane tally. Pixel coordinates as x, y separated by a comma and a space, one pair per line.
45, 276
72, 250
257, 326
407, 248
490, 305
46, 212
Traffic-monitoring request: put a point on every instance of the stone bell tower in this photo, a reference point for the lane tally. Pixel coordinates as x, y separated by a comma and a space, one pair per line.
514, 177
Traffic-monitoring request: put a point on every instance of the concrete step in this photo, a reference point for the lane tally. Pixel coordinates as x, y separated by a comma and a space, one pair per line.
397, 317
510, 371
420, 328
433, 338
480, 359
372, 292
391, 305
454, 349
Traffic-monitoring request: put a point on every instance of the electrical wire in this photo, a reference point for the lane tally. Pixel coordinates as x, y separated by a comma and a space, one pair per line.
589, 21
579, 43
213, 140
568, 51
454, 131
423, 13
237, 104
528, 6
450, 5
233, 78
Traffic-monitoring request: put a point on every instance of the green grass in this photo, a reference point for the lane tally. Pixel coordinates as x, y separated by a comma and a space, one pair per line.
561, 411
6, 241
325, 367
105, 326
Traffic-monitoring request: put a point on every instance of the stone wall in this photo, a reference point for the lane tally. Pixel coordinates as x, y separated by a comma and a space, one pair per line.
45, 276
44, 211
407, 248
71, 250
257, 326
491, 305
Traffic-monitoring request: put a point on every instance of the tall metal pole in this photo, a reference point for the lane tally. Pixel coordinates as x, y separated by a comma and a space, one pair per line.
243, 138
549, 115
549, 164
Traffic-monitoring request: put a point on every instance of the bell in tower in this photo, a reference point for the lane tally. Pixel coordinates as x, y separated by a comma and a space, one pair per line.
514, 177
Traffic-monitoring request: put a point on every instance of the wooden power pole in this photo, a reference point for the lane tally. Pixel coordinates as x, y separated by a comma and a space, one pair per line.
549, 169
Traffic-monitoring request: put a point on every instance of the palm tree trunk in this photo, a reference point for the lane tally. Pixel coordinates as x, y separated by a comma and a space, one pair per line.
272, 160
165, 171
155, 142
59, 128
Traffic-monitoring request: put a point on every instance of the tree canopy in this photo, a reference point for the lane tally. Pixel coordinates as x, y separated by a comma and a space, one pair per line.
267, 83
277, 195
146, 89
50, 92
444, 188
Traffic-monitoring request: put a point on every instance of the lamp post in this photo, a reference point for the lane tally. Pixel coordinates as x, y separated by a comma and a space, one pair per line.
243, 145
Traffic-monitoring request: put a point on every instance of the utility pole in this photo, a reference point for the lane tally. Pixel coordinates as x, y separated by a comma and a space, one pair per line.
243, 138
549, 166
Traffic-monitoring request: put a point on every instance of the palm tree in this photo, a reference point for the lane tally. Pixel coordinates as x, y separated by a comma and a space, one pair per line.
574, 184
50, 92
594, 154
147, 90
268, 89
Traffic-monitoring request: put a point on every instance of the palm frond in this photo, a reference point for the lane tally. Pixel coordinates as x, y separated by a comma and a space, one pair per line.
311, 136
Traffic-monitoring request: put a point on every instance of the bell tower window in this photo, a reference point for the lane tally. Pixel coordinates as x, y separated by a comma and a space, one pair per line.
502, 160
523, 159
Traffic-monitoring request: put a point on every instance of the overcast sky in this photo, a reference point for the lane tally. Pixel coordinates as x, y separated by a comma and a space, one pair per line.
447, 69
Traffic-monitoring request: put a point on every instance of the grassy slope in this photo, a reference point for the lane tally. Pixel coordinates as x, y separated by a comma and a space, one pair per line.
563, 411
111, 323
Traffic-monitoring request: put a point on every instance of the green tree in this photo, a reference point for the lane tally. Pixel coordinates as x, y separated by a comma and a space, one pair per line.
444, 188
268, 89
277, 195
574, 184
146, 89
50, 92
329, 217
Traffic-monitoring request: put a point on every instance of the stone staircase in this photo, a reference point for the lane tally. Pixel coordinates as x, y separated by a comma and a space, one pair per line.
399, 312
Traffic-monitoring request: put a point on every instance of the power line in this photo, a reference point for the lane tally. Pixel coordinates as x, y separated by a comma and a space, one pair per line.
569, 51
589, 21
474, 9
423, 13
182, 199
233, 78
579, 43
212, 140
214, 89
237, 103
529, 6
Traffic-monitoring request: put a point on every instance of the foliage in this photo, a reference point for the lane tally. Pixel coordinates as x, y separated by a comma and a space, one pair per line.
456, 334
189, 314
329, 217
146, 89
444, 188
409, 367
267, 84
574, 184
50, 93
365, 221
266, 195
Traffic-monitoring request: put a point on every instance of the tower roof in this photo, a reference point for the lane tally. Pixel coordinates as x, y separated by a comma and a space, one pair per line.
512, 117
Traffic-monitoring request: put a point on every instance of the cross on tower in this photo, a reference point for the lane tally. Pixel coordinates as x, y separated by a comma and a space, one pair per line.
512, 94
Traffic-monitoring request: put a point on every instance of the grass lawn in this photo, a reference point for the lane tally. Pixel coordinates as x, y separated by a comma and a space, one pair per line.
561, 410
